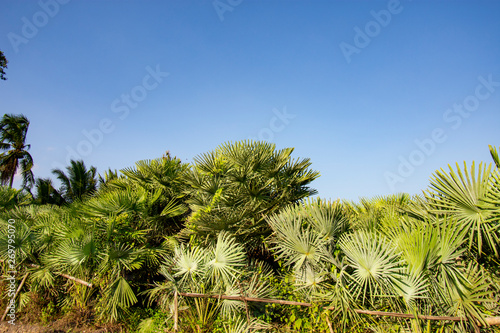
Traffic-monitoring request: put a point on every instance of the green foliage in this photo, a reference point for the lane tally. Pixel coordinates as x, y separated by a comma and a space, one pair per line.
13, 131
11, 198
465, 196
78, 181
234, 188
3, 66
435, 254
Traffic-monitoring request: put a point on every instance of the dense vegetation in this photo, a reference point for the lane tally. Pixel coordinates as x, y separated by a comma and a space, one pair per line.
238, 222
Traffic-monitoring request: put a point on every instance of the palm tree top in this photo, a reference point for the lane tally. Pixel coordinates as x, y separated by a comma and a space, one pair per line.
13, 131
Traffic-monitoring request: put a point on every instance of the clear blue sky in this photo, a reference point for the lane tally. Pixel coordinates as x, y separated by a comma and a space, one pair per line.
352, 85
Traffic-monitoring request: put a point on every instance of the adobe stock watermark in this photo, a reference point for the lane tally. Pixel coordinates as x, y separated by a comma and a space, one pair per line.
30, 27
223, 6
11, 272
363, 37
122, 107
453, 116
277, 124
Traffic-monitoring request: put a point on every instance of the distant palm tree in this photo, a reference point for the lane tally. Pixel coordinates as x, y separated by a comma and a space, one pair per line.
46, 193
78, 182
13, 129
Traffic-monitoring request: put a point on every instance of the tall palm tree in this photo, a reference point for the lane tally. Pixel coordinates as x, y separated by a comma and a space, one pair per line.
3, 65
78, 182
13, 130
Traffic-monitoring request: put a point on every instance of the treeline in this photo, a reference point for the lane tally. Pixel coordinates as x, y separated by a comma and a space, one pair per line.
238, 222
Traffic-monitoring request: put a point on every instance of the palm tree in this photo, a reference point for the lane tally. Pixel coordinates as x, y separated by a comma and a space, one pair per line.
78, 182
404, 265
472, 199
46, 193
13, 130
3, 64
11, 198
234, 188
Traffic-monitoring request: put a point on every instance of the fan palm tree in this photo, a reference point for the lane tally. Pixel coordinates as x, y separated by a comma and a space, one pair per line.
394, 263
78, 182
13, 130
467, 196
234, 188
220, 268
11, 198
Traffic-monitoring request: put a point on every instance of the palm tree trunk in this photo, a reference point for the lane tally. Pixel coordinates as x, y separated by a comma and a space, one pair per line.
11, 180
13, 174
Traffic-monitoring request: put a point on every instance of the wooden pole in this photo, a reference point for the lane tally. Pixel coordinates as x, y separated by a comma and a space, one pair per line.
489, 321
69, 277
15, 295
407, 315
176, 311
250, 299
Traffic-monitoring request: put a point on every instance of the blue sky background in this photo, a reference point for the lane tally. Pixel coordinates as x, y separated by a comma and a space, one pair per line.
228, 77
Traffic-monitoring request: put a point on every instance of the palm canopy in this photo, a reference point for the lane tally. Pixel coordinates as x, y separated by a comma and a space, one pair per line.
46, 193
13, 130
235, 186
78, 181
471, 197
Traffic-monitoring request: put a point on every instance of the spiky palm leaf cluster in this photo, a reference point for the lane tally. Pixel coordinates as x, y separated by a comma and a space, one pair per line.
234, 188
219, 269
390, 262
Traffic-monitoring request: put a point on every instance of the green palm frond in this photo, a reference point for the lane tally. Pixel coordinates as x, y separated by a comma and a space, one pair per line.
121, 257
43, 277
113, 203
299, 246
227, 259
375, 263
467, 301
189, 264
414, 286
494, 155
118, 297
464, 196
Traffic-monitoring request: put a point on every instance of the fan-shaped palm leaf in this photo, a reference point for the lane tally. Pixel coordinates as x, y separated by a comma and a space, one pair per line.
464, 196
375, 262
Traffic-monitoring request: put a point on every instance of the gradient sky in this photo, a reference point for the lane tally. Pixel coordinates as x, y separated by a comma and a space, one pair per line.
378, 94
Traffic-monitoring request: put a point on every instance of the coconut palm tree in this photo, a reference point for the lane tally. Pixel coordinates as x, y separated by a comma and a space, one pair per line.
3, 65
78, 181
46, 193
13, 130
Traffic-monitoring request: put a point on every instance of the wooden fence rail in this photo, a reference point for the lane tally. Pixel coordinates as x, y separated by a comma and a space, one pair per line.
489, 321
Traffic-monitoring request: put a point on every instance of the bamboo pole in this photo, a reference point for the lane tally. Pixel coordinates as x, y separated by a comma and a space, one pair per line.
491, 321
176, 312
69, 277
250, 299
407, 315
15, 295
